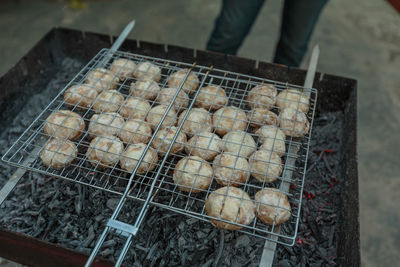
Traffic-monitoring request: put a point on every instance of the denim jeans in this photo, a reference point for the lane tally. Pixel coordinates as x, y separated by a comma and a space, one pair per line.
237, 16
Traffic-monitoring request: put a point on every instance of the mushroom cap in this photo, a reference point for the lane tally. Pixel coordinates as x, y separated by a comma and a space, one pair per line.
147, 89
294, 99
58, 153
231, 204
130, 158
123, 68
102, 79
211, 97
164, 137
262, 96
239, 143
105, 151
197, 121
156, 113
231, 169
135, 131
205, 145
294, 122
82, 95
135, 108
272, 206
265, 166
229, 118
176, 79
259, 117
64, 124
166, 96
105, 123
147, 70
108, 101
192, 174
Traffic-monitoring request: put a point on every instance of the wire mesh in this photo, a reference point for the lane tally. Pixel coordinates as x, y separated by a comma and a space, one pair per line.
104, 161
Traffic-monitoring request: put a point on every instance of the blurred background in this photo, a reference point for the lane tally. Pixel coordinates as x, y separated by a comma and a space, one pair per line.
359, 39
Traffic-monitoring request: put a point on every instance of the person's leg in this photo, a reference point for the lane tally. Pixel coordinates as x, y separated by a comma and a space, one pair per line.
233, 24
298, 20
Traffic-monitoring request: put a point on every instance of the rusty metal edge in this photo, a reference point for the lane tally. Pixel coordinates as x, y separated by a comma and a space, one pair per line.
34, 252
22, 248
349, 244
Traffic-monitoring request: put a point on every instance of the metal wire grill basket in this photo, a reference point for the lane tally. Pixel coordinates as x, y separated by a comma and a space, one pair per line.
25, 152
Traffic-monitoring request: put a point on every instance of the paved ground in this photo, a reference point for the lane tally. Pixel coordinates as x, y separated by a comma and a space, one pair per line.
358, 39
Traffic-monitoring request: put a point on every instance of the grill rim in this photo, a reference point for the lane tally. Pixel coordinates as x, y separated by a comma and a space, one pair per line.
343, 90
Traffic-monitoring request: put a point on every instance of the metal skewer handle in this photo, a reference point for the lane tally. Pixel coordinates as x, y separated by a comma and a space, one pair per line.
131, 230
268, 254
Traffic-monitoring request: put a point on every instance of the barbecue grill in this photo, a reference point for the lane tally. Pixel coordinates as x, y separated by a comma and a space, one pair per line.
165, 193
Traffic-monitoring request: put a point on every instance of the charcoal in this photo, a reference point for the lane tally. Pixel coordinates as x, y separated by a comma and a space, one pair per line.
227, 261
106, 252
109, 243
90, 237
289, 250
112, 203
191, 221
221, 247
84, 250
235, 263
78, 204
74, 243
284, 263
242, 241
152, 250
201, 234
99, 218
212, 235
331, 236
228, 236
313, 226
207, 263
32, 213
181, 241
141, 248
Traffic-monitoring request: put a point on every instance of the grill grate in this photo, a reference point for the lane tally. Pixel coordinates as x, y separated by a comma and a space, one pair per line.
160, 180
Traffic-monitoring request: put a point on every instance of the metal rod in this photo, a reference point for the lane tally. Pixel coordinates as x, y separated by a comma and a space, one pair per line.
120, 204
117, 44
145, 206
96, 249
170, 146
127, 244
14, 179
312, 68
268, 254
123, 198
